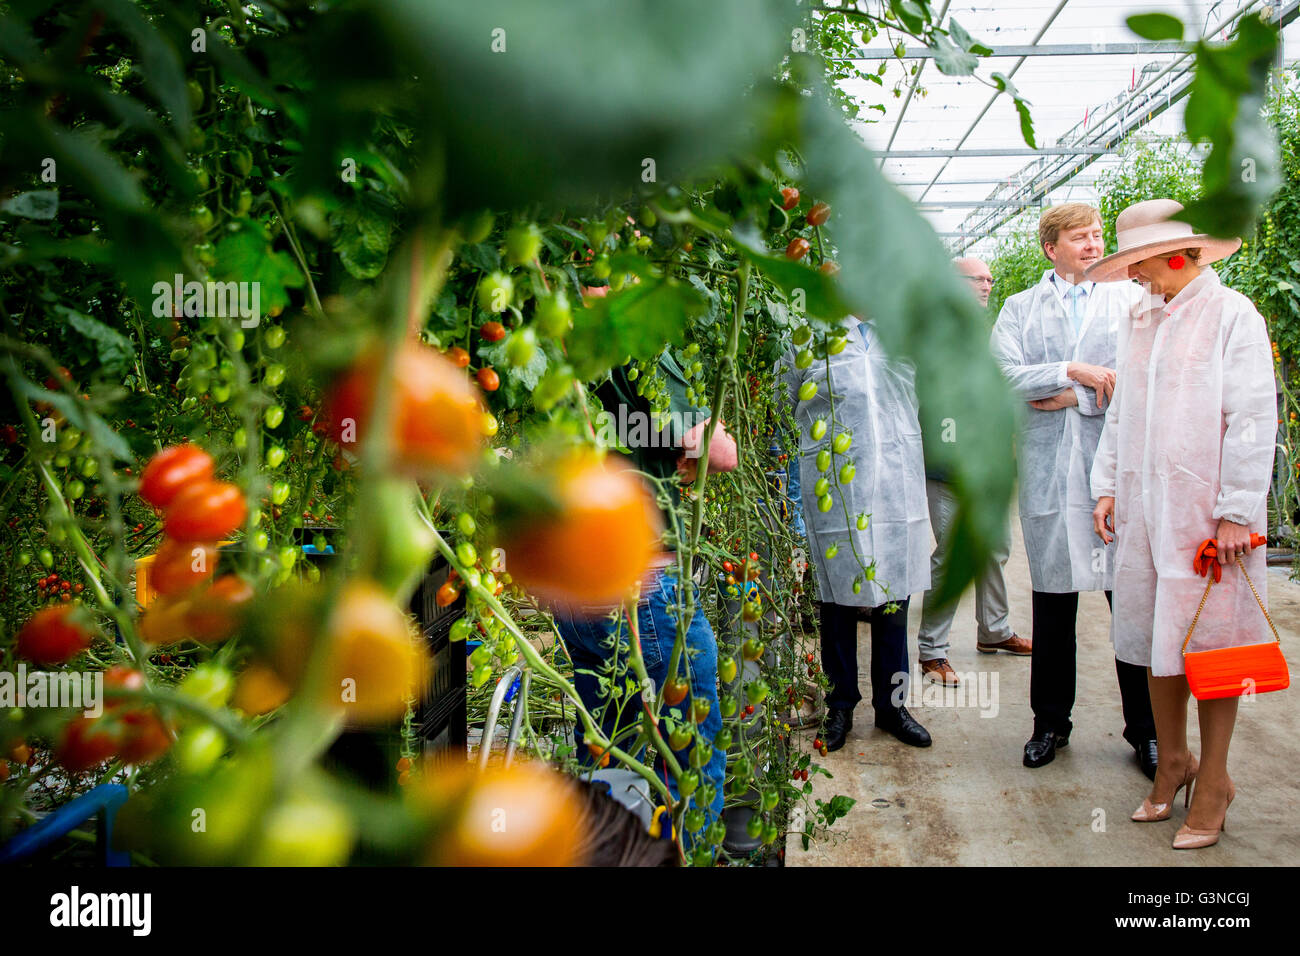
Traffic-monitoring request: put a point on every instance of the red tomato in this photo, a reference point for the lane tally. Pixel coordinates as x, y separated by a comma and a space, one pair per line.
52, 636
435, 414
216, 612
205, 512
173, 568
144, 738
818, 214
446, 594
86, 742
121, 677
798, 248
492, 331
488, 379
171, 470
789, 197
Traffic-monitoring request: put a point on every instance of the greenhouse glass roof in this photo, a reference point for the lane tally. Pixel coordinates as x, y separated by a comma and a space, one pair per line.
1090, 82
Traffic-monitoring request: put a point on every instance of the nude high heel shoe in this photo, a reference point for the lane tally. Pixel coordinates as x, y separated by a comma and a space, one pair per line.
1155, 812
1189, 838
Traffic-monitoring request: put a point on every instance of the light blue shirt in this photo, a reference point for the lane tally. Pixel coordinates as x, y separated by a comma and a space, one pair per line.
1074, 299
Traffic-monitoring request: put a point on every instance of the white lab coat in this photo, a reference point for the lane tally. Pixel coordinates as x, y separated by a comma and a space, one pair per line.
875, 400
1034, 341
1188, 440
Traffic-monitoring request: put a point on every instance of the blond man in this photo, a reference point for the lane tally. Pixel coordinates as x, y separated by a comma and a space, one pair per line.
1056, 343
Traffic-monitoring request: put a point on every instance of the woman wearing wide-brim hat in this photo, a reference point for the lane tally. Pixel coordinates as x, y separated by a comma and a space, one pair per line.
1186, 455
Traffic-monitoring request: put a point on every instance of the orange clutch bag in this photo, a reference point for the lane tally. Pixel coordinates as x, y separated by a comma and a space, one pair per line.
1235, 671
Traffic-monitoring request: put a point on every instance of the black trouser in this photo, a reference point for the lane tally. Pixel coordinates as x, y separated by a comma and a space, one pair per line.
889, 670
1052, 669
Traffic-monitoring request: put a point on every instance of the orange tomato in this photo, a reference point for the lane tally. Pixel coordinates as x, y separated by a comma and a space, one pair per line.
144, 738
216, 612
259, 690
163, 622
600, 541
435, 413
523, 815
205, 511
179, 566
376, 660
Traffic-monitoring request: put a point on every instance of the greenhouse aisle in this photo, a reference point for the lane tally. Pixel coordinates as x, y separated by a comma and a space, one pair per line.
968, 801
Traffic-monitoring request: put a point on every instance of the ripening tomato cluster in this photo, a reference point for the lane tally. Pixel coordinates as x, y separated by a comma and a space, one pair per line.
199, 511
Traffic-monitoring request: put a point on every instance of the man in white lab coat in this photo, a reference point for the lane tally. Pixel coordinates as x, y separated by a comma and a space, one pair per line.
1056, 343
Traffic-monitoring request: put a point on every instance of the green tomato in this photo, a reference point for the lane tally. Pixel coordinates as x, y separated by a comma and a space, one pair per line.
461, 628
871, 573
722, 739
74, 489
754, 827
288, 557
857, 586
239, 438
825, 503
716, 832
274, 375
803, 359
273, 337
198, 748
801, 335
837, 345
495, 292
554, 315
237, 339
600, 268
466, 554
203, 218
58, 534
68, 439
847, 471
220, 393
831, 550
305, 831
241, 162
523, 243
244, 202
818, 430
521, 347
770, 833
280, 492
319, 541
479, 228
24, 558
823, 459
807, 390
273, 416
194, 92
863, 521
757, 691
62, 460
729, 705
275, 456
693, 820
208, 684
727, 669
822, 488
261, 541
679, 738
465, 524
479, 676
688, 782
842, 442
46, 557
769, 798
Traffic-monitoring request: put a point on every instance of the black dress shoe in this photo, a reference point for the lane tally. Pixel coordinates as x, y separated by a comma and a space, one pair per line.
1042, 747
1148, 757
901, 724
838, 724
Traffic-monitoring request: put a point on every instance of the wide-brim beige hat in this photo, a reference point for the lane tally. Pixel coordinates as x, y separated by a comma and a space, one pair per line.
1146, 229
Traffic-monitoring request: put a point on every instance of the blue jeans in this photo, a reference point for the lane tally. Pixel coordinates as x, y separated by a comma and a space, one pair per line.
595, 642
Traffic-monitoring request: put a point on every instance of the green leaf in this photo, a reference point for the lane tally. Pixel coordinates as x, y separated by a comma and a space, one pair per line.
80, 416
636, 321
951, 59
1226, 108
819, 292
966, 41
1156, 26
114, 349
507, 95
247, 256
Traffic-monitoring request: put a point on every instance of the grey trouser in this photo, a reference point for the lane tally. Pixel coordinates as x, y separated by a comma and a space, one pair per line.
990, 587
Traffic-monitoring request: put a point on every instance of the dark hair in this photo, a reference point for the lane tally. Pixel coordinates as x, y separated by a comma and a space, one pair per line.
612, 835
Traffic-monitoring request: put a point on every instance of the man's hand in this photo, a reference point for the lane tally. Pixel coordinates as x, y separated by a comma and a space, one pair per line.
1064, 399
1103, 518
722, 451
1096, 377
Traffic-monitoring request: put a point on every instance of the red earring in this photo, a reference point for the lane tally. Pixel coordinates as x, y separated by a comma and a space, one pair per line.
1177, 262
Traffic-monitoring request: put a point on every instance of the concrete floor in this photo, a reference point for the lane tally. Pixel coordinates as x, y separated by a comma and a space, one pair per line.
967, 800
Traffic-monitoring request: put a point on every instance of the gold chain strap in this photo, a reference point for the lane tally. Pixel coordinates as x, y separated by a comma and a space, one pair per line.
1209, 584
